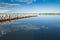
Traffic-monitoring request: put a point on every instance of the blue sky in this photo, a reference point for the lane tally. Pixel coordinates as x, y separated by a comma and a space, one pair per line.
29, 6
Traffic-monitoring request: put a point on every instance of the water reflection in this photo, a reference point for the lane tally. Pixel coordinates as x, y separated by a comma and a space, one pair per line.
6, 29
12, 28
44, 27
6, 22
38, 28
9, 21
29, 27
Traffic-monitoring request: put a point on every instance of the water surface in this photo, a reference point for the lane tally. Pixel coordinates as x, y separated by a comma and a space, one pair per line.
43, 27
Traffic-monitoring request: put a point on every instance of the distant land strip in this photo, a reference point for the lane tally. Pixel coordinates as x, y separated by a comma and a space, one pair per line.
49, 13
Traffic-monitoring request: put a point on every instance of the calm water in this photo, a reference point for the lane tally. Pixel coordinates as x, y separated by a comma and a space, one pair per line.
43, 27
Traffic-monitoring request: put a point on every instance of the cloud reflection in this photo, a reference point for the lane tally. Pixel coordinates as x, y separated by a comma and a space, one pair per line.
44, 27
29, 27
58, 25
12, 28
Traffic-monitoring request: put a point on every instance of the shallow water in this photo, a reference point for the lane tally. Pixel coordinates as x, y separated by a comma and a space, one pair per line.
43, 27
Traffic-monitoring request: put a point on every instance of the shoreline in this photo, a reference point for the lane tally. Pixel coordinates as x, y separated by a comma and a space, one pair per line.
15, 18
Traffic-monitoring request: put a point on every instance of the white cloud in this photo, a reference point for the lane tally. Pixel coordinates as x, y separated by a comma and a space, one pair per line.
3, 11
58, 1
2, 7
9, 5
26, 1
2, 4
14, 4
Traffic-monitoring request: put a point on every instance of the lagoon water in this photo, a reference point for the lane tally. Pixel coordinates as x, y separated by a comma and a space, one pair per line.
42, 27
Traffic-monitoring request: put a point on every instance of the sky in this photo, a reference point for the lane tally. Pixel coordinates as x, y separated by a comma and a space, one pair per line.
29, 6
